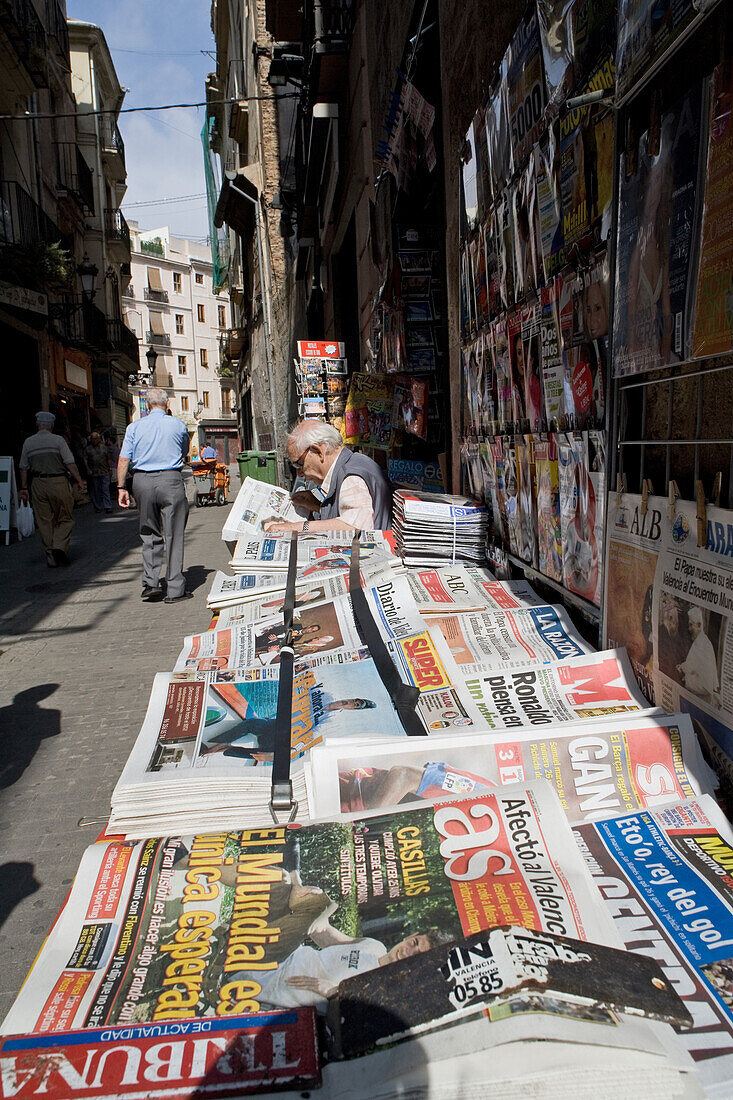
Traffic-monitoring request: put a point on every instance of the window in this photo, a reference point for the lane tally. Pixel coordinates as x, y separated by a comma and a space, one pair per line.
204, 357
226, 401
182, 369
176, 282
222, 317
199, 278
179, 324
184, 404
201, 312
205, 398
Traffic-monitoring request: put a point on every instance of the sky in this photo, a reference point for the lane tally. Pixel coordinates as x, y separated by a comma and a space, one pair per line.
156, 48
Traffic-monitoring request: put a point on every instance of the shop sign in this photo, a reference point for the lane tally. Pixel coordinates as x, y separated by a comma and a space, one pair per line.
76, 375
22, 298
321, 349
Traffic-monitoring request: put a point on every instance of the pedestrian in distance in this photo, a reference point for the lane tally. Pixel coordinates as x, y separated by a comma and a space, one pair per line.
208, 453
156, 446
97, 461
113, 454
47, 458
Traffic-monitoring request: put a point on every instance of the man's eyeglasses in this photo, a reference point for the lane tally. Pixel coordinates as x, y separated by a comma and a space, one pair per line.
297, 465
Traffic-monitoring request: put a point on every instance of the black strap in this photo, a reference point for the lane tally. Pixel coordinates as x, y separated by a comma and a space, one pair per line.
281, 793
404, 696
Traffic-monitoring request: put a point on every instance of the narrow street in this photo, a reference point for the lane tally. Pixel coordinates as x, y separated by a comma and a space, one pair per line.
78, 652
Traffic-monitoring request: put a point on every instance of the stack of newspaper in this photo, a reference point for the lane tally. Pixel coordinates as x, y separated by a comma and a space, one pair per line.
316, 554
202, 925
432, 528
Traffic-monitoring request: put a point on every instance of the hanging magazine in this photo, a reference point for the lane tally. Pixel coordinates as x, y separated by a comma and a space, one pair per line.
657, 240
713, 333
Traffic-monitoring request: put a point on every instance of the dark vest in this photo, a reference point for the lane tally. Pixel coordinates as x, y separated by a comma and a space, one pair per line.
351, 464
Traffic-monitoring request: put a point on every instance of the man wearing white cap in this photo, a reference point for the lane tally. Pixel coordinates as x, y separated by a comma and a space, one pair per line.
50, 462
700, 666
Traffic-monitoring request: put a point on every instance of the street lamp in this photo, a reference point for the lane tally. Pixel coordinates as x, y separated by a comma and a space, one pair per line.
152, 356
87, 272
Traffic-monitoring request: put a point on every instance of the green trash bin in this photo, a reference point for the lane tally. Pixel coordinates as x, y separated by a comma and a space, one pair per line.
260, 465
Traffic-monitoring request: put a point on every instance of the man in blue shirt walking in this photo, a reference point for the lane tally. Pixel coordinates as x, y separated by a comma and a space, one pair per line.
156, 445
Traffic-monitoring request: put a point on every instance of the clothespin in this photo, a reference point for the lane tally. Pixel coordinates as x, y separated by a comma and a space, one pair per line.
702, 513
674, 495
646, 489
717, 486
620, 488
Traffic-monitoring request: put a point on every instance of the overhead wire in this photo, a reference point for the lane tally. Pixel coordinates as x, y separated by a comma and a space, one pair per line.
30, 117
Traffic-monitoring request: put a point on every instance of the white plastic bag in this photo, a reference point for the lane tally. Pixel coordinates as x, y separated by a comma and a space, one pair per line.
26, 522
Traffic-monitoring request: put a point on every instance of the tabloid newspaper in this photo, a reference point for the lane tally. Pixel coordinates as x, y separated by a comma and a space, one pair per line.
596, 685
665, 875
485, 640
309, 594
256, 502
203, 756
459, 589
213, 925
632, 552
606, 768
324, 627
271, 555
679, 633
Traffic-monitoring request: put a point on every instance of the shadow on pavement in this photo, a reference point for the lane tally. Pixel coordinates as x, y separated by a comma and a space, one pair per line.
17, 882
196, 576
23, 725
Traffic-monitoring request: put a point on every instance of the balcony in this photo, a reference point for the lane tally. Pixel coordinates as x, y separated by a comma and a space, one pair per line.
231, 344
128, 291
74, 177
26, 32
327, 27
58, 28
113, 147
22, 221
80, 323
152, 295
120, 338
162, 339
117, 232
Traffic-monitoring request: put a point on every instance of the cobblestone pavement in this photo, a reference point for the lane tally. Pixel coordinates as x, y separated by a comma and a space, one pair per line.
78, 652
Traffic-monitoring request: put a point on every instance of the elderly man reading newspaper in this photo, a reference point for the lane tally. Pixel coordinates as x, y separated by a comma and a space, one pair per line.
349, 491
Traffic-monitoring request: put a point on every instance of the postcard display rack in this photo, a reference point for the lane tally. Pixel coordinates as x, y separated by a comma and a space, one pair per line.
321, 378
583, 180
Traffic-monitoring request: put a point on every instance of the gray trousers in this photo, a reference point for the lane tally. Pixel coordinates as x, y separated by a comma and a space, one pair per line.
161, 499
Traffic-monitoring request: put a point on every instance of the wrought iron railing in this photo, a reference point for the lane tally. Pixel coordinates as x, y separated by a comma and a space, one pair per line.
73, 175
152, 295
160, 338
25, 30
115, 226
57, 26
22, 221
112, 138
121, 338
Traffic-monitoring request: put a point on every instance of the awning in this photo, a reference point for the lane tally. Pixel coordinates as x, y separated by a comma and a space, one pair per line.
237, 202
156, 323
154, 278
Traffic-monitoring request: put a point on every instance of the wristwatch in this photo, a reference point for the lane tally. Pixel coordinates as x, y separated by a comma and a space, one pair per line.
304, 528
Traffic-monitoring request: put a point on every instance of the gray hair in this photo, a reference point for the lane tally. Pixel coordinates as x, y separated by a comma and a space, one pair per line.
157, 399
308, 433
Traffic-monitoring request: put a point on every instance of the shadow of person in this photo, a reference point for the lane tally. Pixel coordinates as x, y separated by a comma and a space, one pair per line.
23, 726
17, 881
196, 576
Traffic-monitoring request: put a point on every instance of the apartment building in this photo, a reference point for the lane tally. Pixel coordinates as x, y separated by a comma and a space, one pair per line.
59, 318
171, 305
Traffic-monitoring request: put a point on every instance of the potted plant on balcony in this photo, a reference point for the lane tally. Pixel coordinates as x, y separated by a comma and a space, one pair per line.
39, 266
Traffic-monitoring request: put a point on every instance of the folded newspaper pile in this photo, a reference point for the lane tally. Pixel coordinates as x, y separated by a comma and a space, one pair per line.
317, 554
201, 925
432, 528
